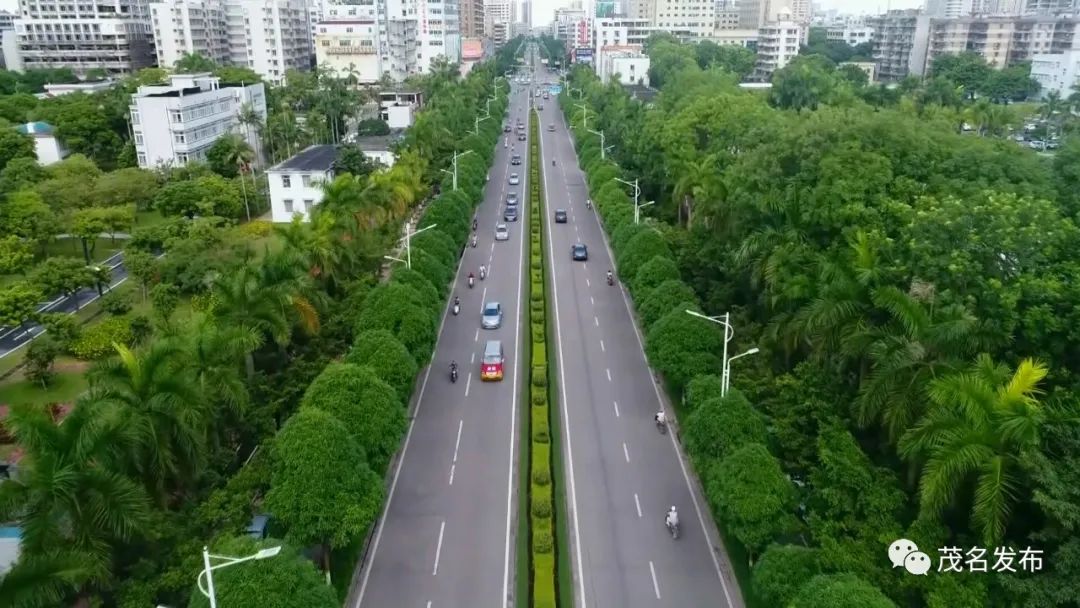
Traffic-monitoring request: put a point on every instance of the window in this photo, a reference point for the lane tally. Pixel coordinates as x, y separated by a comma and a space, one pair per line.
176, 116
288, 205
142, 159
308, 204
286, 182
306, 179
138, 139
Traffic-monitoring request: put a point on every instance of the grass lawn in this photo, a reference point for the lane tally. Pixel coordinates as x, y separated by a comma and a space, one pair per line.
64, 388
149, 218
72, 248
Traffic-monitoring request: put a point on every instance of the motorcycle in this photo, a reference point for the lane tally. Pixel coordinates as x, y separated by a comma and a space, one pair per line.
588, 203
673, 528
470, 281
453, 374
661, 426
474, 241
610, 279
457, 308
553, 162
483, 273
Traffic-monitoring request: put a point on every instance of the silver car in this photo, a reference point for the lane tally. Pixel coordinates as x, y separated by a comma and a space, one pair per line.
514, 179
502, 232
492, 316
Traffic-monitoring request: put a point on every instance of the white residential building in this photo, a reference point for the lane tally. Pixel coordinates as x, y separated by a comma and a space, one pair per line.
47, 147
350, 48
498, 15
296, 183
778, 43
268, 36
950, 9
852, 32
178, 122
399, 108
1056, 71
113, 35
683, 18
195, 27
630, 67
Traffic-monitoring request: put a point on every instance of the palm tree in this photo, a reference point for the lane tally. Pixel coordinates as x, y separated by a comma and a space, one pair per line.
164, 410
47, 579
980, 424
907, 353
250, 119
325, 246
240, 155
698, 181
68, 495
241, 302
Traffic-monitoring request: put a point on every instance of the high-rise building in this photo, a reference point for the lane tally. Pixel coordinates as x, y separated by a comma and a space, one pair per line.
901, 41
472, 18
1047, 7
949, 9
112, 35
526, 13
268, 36
684, 19
498, 15
778, 43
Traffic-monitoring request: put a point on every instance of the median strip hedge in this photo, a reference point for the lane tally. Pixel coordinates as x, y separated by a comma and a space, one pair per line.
541, 477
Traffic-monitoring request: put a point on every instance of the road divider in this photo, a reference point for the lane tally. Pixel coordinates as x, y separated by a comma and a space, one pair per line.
543, 563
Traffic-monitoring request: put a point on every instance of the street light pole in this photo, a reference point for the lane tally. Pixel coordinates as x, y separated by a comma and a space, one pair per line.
602, 147
408, 244
476, 128
585, 113
637, 195
225, 562
454, 163
729, 333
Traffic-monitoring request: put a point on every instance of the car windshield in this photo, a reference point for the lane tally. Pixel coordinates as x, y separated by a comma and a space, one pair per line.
491, 310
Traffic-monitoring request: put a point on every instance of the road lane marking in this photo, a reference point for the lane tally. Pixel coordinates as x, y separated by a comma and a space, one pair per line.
608, 371
438, 549
592, 301
655, 585
457, 443
625, 452
616, 403
483, 298
429, 604
587, 283
472, 358
452, 473
596, 320
582, 603
468, 382
476, 338
602, 349
637, 503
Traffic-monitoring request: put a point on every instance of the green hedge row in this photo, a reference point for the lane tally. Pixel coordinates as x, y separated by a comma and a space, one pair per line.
541, 476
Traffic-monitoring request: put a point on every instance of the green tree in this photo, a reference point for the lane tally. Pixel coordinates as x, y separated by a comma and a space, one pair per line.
88, 225
39, 359
20, 174
369, 407
192, 63
400, 310
839, 591
805, 83
144, 267
47, 579
164, 297
754, 498
165, 414
681, 347
782, 571
230, 155
65, 497
18, 302
982, 423
288, 580
64, 276
322, 488
25, 215
130, 186
382, 352
15, 255
720, 425
14, 145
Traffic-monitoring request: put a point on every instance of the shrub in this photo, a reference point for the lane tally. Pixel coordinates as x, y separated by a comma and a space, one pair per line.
840, 591
96, 341
541, 506
719, 426
666, 297
423, 286
538, 398
681, 347
116, 303
642, 247
388, 357
255, 229
621, 235
541, 476
782, 570
539, 376
753, 496
538, 334
542, 541
652, 273
700, 388
541, 435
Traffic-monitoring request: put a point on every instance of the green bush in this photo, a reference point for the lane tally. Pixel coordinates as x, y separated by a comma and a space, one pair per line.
538, 398
541, 506
639, 249
382, 352
536, 296
541, 435
542, 542
96, 341
539, 376
541, 476
538, 334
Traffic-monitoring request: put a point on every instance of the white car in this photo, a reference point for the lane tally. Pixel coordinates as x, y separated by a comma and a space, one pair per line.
514, 179
502, 232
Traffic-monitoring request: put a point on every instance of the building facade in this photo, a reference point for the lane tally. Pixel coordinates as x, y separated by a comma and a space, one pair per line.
351, 48
268, 36
472, 19
498, 16
178, 122
110, 35
901, 41
630, 68
854, 32
778, 43
1056, 72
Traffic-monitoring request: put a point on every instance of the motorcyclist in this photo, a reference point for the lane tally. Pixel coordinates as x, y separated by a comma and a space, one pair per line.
474, 239
471, 278
660, 417
453, 371
672, 519
457, 301
588, 203
553, 162
610, 277
483, 272
475, 223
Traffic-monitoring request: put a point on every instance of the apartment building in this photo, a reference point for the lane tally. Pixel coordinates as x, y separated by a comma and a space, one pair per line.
573, 28
628, 67
178, 122
620, 32
268, 36
472, 19
853, 32
951, 9
685, 18
194, 27
901, 41
112, 35
351, 48
498, 15
1057, 72
1048, 7
778, 43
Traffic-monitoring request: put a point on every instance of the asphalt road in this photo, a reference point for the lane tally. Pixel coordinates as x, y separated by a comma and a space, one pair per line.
622, 474
446, 537
14, 338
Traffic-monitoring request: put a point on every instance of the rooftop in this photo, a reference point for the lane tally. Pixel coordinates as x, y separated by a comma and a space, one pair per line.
319, 157
35, 128
377, 143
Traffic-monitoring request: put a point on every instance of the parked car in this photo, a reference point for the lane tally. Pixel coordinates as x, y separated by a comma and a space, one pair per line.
579, 252
560, 216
